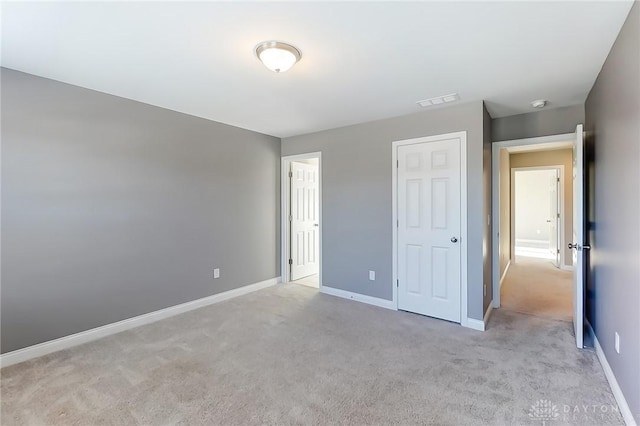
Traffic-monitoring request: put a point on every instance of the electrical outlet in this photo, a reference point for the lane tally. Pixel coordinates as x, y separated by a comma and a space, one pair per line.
216, 273
372, 275
617, 342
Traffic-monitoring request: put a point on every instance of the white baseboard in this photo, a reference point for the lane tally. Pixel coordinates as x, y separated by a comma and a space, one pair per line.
625, 411
487, 314
531, 241
474, 324
566, 267
66, 342
504, 274
388, 304
376, 301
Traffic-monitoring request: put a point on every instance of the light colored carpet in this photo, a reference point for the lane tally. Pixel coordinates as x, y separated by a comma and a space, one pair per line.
289, 355
536, 287
310, 281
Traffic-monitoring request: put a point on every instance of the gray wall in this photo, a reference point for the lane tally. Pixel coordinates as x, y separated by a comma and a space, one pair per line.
540, 123
613, 134
113, 208
357, 205
487, 242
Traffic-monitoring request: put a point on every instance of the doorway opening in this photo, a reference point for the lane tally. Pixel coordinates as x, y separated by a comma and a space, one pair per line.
301, 219
534, 283
537, 211
537, 217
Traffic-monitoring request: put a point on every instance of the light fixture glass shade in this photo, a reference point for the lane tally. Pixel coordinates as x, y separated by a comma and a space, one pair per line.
277, 56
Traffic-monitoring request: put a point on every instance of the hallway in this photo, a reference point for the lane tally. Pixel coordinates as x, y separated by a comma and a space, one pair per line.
536, 287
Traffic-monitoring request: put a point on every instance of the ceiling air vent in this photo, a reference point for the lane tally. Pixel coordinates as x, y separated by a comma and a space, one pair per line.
439, 100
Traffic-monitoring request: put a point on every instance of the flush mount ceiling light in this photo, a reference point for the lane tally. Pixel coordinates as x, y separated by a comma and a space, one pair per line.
277, 56
539, 103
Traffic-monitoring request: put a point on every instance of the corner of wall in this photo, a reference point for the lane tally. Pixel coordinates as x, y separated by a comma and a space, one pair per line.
487, 171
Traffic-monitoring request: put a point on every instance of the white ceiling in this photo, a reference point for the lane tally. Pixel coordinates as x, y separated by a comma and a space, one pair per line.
361, 61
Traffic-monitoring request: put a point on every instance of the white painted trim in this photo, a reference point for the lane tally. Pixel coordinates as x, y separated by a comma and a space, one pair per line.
464, 320
481, 325
66, 342
567, 267
524, 240
504, 274
285, 198
394, 224
495, 219
625, 411
561, 138
495, 197
375, 301
475, 324
487, 315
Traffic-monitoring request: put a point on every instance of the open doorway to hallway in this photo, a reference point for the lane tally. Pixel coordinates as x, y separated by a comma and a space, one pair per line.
569, 149
535, 226
534, 283
301, 211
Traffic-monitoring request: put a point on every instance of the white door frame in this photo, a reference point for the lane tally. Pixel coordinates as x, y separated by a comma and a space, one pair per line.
561, 242
285, 197
464, 320
495, 196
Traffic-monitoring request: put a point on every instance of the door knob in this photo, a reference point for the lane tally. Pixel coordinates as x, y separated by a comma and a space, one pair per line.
586, 247
454, 240
315, 224
572, 246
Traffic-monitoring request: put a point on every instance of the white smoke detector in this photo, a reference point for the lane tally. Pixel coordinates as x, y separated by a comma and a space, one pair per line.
539, 103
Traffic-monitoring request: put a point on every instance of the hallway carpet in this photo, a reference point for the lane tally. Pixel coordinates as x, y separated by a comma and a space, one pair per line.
536, 287
289, 355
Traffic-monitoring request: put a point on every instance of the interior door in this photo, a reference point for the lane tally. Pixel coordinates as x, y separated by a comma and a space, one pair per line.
578, 237
554, 218
304, 220
429, 228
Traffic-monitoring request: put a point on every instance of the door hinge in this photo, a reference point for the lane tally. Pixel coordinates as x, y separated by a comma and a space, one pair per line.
558, 215
558, 251
290, 218
397, 283
558, 179
397, 164
397, 223
290, 174
290, 261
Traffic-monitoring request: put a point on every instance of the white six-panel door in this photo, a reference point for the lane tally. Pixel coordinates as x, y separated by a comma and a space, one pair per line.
429, 226
304, 220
